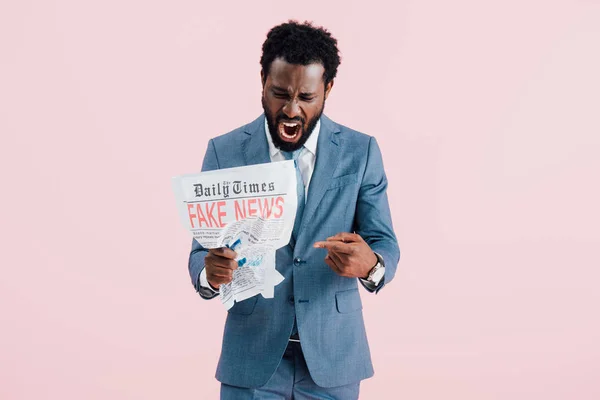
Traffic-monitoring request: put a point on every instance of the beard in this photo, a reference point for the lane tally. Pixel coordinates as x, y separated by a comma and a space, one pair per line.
305, 131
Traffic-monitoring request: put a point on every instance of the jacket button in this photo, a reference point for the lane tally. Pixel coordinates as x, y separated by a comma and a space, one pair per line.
297, 261
291, 299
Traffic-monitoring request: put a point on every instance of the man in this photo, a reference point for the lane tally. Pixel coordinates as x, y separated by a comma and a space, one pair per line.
309, 341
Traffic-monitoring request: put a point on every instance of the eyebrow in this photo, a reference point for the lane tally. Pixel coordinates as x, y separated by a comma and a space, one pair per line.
280, 89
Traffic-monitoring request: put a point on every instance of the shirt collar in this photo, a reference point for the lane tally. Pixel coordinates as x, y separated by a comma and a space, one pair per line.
310, 145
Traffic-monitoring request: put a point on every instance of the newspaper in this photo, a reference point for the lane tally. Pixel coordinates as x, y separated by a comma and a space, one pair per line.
249, 209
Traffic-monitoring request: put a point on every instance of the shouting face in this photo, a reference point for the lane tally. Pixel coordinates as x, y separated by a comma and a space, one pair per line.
293, 99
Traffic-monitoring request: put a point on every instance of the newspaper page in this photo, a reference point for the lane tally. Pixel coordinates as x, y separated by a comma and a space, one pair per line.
249, 209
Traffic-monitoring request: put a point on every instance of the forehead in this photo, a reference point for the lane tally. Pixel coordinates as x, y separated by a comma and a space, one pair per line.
295, 76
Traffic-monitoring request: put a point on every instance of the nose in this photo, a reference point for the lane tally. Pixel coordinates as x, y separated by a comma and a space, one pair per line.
291, 109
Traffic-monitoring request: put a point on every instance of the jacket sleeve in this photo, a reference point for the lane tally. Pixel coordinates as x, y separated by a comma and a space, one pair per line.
373, 220
197, 254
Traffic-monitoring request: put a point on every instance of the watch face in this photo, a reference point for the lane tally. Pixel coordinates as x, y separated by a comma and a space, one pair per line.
377, 275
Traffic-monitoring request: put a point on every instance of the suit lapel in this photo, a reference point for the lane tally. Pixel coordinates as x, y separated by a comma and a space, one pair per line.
328, 153
255, 146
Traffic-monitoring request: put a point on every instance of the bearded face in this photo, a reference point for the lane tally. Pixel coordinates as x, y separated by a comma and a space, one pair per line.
293, 100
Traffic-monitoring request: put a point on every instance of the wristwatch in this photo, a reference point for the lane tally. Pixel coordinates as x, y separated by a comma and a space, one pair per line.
377, 272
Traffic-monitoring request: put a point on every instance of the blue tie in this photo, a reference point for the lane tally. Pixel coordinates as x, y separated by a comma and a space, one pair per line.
300, 192
299, 189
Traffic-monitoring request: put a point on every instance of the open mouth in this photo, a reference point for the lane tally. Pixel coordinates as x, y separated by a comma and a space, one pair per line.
289, 131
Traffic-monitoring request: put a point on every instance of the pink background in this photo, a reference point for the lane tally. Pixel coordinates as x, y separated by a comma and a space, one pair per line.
488, 117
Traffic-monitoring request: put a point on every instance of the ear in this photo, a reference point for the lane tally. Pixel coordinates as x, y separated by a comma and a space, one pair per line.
328, 89
262, 78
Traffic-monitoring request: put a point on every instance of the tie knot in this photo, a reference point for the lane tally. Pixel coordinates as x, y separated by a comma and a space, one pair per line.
292, 155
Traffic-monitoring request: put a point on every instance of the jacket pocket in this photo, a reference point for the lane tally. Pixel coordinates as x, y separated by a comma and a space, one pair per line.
348, 301
343, 181
244, 307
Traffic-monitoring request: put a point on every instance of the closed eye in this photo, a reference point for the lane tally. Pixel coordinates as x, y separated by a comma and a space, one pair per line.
280, 95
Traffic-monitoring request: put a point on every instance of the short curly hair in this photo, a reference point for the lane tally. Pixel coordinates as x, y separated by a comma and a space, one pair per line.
301, 44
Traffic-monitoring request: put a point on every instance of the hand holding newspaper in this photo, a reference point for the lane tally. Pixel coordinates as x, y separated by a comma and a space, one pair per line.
249, 209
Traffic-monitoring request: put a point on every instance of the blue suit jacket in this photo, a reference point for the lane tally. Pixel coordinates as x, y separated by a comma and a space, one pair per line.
347, 193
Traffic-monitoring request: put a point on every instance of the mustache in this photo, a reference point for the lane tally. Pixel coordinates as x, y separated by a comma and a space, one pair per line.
283, 118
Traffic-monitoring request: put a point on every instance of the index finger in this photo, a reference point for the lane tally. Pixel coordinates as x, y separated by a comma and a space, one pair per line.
338, 247
344, 237
224, 252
